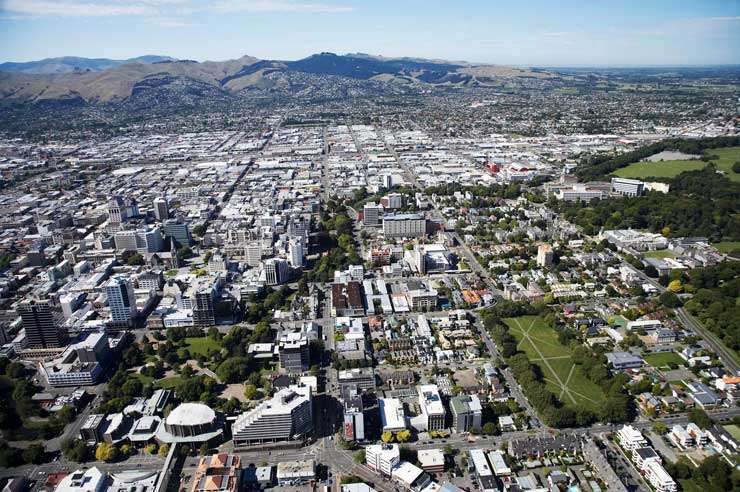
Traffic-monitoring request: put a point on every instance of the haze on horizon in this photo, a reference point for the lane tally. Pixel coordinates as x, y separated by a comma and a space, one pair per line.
543, 33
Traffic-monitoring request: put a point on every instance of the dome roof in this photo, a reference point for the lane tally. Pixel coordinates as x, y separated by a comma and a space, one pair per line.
191, 414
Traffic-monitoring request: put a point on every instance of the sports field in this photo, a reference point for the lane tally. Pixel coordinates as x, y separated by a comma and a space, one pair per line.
662, 359
669, 169
562, 377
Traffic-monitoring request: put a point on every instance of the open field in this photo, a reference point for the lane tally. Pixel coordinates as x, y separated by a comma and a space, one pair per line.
168, 383
562, 377
664, 169
201, 345
671, 168
661, 253
663, 359
727, 246
734, 430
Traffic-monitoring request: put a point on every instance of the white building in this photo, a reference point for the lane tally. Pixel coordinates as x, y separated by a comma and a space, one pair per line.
631, 438
287, 416
382, 458
404, 225
295, 253
431, 406
392, 415
659, 478
121, 300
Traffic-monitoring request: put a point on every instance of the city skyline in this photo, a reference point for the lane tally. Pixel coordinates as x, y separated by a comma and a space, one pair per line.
568, 34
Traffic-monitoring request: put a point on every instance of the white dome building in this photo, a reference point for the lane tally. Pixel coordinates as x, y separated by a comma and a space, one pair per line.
190, 419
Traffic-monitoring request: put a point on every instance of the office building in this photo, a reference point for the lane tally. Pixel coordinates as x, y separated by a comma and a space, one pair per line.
544, 255
161, 209
286, 416
362, 378
628, 187
253, 253
121, 301
295, 472
40, 324
81, 363
276, 271
431, 406
383, 458
203, 312
295, 253
371, 214
294, 352
404, 225
467, 413
178, 230
392, 415
354, 419
121, 209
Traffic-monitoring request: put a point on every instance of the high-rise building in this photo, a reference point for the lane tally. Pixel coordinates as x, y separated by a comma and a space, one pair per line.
121, 301
161, 209
141, 240
404, 225
467, 413
178, 230
287, 416
253, 252
40, 324
371, 214
431, 406
354, 419
276, 271
203, 312
121, 209
544, 255
295, 253
294, 352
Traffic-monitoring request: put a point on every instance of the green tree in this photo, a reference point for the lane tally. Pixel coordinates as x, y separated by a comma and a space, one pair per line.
250, 391
164, 449
700, 418
106, 452
359, 456
403, 436
34, 454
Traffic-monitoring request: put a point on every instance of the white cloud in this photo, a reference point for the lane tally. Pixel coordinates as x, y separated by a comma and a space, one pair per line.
170, 22
277, 6
75, 8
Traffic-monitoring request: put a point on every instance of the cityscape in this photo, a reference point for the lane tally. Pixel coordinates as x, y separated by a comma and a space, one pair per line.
355, 273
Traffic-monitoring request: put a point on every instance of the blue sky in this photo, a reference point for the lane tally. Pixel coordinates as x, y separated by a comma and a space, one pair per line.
521, 32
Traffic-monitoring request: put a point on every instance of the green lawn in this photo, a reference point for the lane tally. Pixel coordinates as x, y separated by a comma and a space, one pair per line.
734, 431
201, 345
727, 157
727, 246
663, 359
669, 169
562, 377
144, 379
662, 169
690, 486
661, 253
168, 383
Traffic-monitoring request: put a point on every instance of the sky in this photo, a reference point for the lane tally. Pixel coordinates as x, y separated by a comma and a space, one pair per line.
515, 32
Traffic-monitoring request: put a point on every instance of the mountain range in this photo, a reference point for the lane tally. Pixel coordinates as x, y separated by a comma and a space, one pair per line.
101, 81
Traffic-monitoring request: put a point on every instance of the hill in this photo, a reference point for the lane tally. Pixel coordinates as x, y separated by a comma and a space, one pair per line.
67, 64
110, 81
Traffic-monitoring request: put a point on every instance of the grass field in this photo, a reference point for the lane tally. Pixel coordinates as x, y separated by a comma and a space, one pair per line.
663, 359
734, 431
201, 345
670, 169
727, 246
540, 343
661, 253
168, 383
690, 486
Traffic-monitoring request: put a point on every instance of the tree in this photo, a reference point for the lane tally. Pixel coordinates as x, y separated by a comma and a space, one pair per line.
669, 300
359, 456
74, 450
135, 259
151, 448
700, 418
106, 452
675, 286
489, 428
250, 391
164, 449
34, 454
403, 436
660, 428
386, 437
